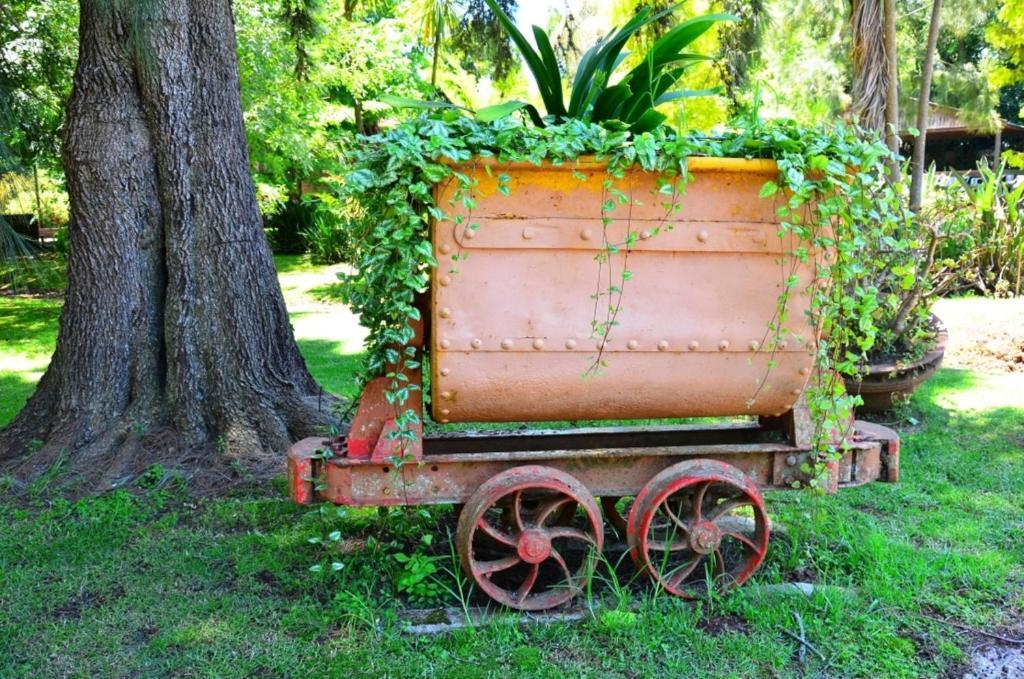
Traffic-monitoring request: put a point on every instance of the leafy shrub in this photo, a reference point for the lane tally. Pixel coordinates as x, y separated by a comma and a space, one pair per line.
981, 227
631, 101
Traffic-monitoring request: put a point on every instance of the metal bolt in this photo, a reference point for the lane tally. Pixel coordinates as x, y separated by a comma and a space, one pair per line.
445, 249
702, 236
445, 411
632, 344
468, 232
796, 392
445, 344
791, 460
694, 345
570, 344
754, 345
506, 344
445, 280
805, 371
445, 312
645, 234
538, 344
445, 372
585, 234
723, 345
527, 233
662, 345
445, 421
446, 394
476, 343
782, 345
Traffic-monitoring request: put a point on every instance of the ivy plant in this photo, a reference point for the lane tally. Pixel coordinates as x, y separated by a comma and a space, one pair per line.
831, 193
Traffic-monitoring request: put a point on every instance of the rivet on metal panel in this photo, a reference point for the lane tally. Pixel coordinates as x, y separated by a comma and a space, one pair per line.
805, 371
386, 491
445, 344
538, 344
445, 372
645, 234
796, 392
476, 343
468, 232
662, 345
601, 344
506, 344
723, 345
445, 421
527, 233
702, 236
570, 344
445, 312
781, 346
754, 345
585, 234
632, 344
445, 249
694, 345
446, 394
445, 280
445, 411
791, 460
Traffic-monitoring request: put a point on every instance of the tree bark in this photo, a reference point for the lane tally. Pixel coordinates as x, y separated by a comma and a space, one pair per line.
892, 95
923, 99
174, 333
870, 66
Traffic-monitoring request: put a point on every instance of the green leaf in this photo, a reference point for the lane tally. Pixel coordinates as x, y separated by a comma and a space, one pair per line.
769, 189
405, 102
489, 114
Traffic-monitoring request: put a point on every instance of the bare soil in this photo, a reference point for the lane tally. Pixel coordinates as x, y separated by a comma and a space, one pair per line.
986, 335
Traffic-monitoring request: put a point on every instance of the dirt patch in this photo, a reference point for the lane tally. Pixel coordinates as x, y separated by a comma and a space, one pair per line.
996, 660
986, 335
722, 624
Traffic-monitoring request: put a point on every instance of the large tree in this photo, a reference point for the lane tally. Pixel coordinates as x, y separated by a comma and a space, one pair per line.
174, 334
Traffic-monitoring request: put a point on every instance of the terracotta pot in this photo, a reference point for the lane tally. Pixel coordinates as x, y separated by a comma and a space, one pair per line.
887, 383
511, 318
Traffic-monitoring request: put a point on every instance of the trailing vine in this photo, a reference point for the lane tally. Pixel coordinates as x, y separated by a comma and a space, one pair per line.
831, 196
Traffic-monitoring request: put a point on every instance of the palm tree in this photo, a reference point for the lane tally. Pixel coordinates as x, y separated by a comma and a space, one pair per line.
438, 19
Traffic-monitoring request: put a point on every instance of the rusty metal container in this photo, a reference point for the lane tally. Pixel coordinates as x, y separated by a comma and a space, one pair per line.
512, 331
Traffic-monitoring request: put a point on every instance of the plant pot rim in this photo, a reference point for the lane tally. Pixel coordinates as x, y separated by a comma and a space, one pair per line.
592, 162
935, 353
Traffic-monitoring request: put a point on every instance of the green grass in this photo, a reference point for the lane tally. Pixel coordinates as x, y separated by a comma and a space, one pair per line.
154, 583
28, 334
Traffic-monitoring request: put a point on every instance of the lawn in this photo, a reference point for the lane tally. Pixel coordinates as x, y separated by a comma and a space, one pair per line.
152, 582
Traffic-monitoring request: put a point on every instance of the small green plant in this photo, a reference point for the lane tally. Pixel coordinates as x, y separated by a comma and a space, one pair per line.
417, 578
632, 100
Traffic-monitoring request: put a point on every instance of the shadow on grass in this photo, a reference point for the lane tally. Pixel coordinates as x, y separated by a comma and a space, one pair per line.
334, 370
28, 319
15, 388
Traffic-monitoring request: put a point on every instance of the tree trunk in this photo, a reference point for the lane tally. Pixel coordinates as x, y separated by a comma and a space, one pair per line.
923, 99
870, 66
174, 338
892, 94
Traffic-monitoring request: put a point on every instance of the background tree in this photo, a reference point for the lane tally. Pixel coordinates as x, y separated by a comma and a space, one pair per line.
174, 335
740, 49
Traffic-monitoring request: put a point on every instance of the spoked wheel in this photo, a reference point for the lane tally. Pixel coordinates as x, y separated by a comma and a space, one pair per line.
698, 526
526, 535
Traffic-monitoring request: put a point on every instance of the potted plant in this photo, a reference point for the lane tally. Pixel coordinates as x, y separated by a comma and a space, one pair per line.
906, 342
687, 274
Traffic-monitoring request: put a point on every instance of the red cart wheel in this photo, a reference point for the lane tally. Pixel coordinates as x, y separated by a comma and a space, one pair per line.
698, 525
517, 542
